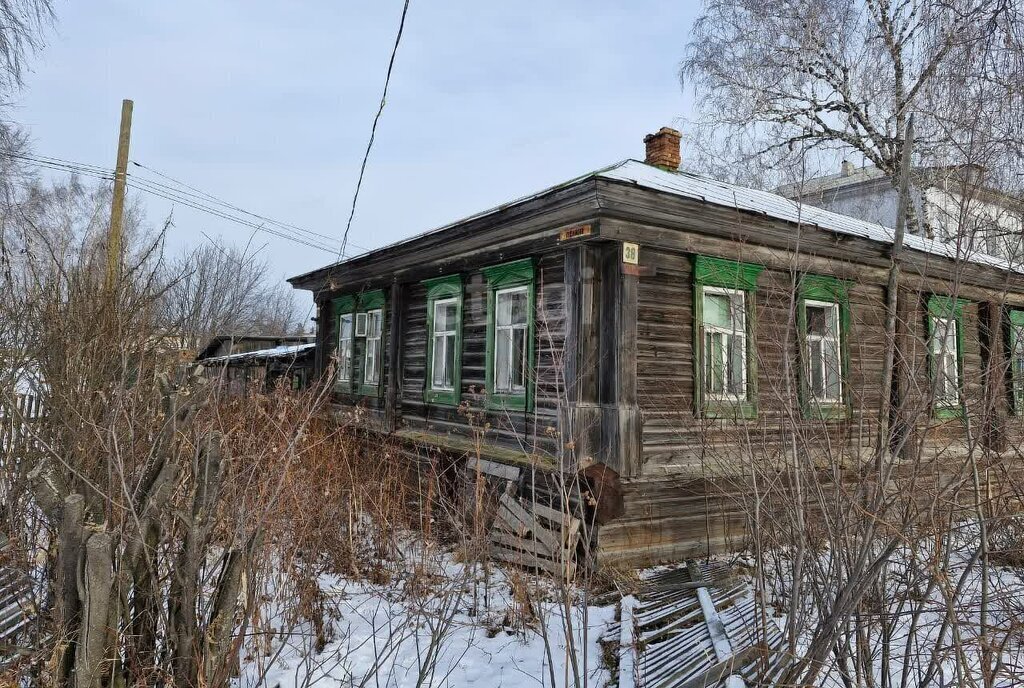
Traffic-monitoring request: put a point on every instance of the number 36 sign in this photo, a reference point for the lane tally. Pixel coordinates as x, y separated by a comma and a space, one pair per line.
630, 253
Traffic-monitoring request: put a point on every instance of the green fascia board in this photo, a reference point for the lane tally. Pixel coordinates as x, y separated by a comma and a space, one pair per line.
729, 274
445, 287
514, 274
345, 304
371, 300
823, 288
941, 306
509, 274
438, 288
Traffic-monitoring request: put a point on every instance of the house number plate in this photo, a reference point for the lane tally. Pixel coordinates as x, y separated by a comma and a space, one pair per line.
630, 253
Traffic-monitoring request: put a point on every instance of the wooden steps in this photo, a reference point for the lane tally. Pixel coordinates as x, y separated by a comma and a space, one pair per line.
534, 536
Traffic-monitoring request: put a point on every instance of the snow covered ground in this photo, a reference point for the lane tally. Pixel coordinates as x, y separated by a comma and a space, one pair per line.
436, 622
452, 626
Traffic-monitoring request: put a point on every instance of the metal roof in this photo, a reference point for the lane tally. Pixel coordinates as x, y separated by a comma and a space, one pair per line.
278, 352
708, 190
772, 205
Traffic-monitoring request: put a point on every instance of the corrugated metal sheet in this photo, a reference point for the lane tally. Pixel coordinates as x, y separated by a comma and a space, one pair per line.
772, 205
17, 612
679, 640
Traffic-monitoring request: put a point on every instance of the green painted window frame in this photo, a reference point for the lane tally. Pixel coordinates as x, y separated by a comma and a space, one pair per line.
443, 289
345, 305
947, 307
519, 273
725, 274
824, 289
366, 302
1016, 377
353, 304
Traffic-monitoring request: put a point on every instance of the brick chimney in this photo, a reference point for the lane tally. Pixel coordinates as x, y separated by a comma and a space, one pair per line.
663, 148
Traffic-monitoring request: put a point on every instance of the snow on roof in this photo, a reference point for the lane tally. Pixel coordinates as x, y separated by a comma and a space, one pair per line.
832, 182
727, 195
289, 351
766, 203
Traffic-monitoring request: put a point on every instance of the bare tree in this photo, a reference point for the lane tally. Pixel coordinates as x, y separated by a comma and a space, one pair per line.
225, 289
788, 84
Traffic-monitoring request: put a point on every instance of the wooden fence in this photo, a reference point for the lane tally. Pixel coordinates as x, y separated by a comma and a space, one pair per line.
16, 436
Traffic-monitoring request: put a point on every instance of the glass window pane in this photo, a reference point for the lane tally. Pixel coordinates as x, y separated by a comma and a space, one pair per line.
714, 362
445, 313
511, 307
449, 362
832, 387
502, 361
519, 299
717, 310
817, 319
519, 358
373, 323
817, 364
737, 351
438, 362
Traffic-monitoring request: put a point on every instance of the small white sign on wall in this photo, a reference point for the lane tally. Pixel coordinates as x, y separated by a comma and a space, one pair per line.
630, 253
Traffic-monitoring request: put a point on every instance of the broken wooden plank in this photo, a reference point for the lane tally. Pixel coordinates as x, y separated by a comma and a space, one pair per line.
627, 645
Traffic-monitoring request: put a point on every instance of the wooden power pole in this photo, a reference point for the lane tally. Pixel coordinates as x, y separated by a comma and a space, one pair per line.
114, 239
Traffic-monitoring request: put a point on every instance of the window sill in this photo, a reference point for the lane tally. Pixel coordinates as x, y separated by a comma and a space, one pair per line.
507, 402
441, 397
734, 410
827, 411
947, 412
369, 390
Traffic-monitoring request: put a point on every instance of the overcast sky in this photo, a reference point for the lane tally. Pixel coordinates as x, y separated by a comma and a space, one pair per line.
268, 105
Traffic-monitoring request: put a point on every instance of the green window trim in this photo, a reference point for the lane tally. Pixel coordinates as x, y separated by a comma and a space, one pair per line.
439, 289
824, 289
344, 305
725, 274
354, 304
728, 274
518, 273
947, 307
1016, 377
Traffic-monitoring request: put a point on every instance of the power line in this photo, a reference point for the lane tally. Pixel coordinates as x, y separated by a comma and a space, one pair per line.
219, 201
143, 185
373, 129
199, 200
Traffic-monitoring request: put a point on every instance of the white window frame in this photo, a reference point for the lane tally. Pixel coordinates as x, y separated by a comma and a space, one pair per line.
374, 360
706, 328
813, 339
345, 371
443, 336
360, 324
1017, 365
499, 329
939, 358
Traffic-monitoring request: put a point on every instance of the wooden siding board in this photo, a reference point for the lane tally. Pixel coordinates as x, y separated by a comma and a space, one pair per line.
531, 431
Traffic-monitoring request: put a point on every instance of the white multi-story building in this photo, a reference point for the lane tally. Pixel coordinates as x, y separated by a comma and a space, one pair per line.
952, 204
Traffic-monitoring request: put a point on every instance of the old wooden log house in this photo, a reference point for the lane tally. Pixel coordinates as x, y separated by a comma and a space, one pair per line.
648, 328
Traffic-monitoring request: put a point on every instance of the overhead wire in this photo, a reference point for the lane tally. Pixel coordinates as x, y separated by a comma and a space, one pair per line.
373, 128
188, 196
221, 202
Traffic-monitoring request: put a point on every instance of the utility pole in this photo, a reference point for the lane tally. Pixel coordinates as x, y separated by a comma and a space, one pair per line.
114, 239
